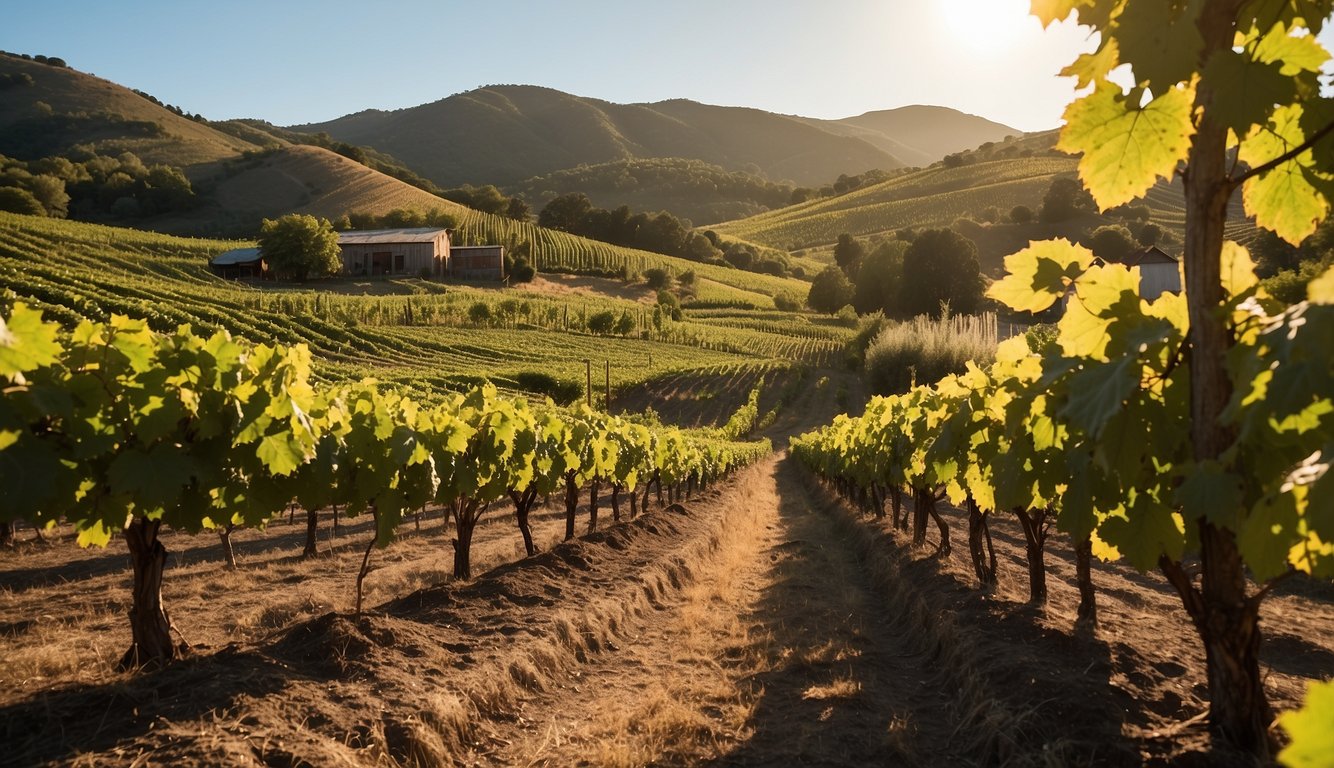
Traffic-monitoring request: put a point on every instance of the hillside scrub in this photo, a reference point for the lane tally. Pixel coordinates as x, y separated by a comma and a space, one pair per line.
924, 350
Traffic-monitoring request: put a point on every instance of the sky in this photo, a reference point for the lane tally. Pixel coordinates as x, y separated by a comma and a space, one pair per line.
300, 61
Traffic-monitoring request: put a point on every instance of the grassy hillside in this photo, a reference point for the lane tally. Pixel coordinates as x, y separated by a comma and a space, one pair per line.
505, 134
63, 108
932, 197
412, 332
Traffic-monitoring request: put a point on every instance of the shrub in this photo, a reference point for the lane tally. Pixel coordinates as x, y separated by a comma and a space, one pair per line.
787, 301
923, 350
480, 312
562, 392
602, 323
657, 278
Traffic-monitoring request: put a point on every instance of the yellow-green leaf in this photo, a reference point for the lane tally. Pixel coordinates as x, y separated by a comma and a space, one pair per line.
1310, 728
1283, 199
1321, 289
1126, 147
1039, 275
1238, 269
26, 343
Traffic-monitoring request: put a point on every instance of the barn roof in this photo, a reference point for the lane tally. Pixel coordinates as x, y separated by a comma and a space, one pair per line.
235, 257
379, 236
1150, 255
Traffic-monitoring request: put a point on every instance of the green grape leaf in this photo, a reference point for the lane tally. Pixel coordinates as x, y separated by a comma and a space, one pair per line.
1267, 535
152, 478
1098, 392
1311, 728
281, 453
1039, 275
1295, 54
1211, 493
1147, 531
27, 343
1125, 147
92, 533
1245, 90
1089, 68
1321, 289
1284, 199
1160, 41
1238, 269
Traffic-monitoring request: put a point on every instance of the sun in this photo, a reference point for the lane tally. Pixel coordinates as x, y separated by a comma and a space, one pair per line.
984, 26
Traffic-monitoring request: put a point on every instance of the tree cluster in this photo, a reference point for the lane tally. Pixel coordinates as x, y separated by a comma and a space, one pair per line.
298, 247
661, 232
86, 185
398, 218
904, 277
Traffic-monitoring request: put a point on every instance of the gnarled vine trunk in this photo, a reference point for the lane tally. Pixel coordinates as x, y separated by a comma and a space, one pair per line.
1035, 525
312, 528
6, 534
616, 502
228, 553
980, 548
523, 505
571, 503
593, 489
150, 626
1088, 597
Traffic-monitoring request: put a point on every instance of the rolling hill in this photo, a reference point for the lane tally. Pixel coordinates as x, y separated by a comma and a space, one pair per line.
505, 134
920, 135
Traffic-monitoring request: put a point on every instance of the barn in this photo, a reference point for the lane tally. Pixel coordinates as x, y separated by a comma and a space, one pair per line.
238, 263
1159, 271
477, 262
420, 251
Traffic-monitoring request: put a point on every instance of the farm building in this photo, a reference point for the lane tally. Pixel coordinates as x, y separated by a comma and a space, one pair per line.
238, 263
417, 251
477, 262
1159, 271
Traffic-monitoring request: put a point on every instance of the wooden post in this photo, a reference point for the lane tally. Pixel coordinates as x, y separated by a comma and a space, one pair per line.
607, 364
588, 375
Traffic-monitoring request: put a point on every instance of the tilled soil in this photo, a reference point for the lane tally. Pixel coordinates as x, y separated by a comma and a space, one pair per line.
761, 623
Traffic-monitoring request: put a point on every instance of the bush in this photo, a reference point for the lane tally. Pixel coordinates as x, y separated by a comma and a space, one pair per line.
563, 392
297, 246
522, 271
602, 323
786, 301
829, 291
847, 316
1021, 214
15, 200
480, 312
657, 278
923, 350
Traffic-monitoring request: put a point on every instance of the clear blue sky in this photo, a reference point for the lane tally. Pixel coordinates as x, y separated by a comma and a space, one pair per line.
297, 61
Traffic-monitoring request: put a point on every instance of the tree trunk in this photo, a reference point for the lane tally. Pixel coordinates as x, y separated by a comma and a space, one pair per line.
979, 545
1227, 620
312, 541
228, 554
463, 524
1035, 538
658, 477
523, 504
150, 626
878, 501
634, 493
593, 489
644, 501
366, 557
921, 501
896, 498
1088, 598
616, 503
944, 549
335, 521
571, 503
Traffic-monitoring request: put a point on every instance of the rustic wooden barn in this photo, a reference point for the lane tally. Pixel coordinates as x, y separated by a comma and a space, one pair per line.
1159, 271
477, 262
238, 263
422, 251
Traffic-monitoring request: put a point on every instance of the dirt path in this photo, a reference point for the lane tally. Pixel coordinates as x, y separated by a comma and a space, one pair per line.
774, 655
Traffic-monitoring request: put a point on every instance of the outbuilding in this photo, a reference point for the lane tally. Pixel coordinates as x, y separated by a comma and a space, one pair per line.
238, 263
1159, 271
477, 262
420, 251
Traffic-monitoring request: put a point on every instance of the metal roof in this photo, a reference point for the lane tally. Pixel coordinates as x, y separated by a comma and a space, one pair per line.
235, 256
378, 236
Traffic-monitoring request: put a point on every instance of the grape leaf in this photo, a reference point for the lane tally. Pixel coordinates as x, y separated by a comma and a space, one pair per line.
1040, 274
27, 343
1160, 41
1284, 199
1245, 90
1125, 147
1310, 728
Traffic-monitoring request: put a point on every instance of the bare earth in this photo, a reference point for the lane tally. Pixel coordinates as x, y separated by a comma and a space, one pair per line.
764, 623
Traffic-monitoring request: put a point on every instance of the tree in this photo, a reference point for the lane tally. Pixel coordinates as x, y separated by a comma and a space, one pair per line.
940, 266
848, 254
565, 213
299, 246
15, 200
1111, 243
829, 291
1065, 198
518, 209
1021, 214
1187, 116
880, 279
1149, 234
700, 248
